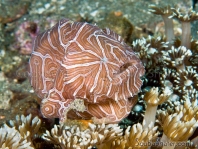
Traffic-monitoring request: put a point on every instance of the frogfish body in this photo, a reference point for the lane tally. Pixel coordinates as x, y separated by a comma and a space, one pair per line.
77, 61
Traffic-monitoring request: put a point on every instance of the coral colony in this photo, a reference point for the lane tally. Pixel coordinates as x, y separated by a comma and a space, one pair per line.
89, 79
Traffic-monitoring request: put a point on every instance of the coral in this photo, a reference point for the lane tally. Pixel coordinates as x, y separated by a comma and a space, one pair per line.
178, 124
141, 49
189, 16
175, 63
165, 12
181, 124
186, 80
173, 125
194, 58
167, 78
75, 134
71, 137
136, 137
19, 133
189, 110
146, 49
153, 99
27, 126
177, 57
186, 18
11, 138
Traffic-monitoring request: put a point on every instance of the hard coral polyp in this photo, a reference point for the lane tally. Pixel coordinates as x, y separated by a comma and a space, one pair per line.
79, 61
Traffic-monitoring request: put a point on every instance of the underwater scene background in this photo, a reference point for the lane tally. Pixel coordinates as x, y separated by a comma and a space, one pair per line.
142, 94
